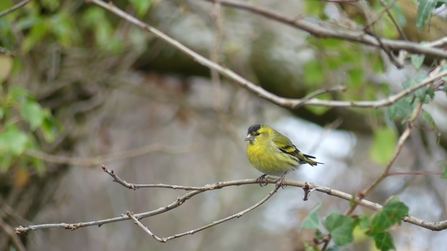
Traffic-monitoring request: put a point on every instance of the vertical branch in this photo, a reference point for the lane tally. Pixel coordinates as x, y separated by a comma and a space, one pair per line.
399, 146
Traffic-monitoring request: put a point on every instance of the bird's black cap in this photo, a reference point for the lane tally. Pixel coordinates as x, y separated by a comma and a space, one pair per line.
253, 128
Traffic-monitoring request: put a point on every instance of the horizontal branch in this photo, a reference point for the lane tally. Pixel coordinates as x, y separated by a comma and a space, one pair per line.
436, 226
214, 223
285, 102
320, 31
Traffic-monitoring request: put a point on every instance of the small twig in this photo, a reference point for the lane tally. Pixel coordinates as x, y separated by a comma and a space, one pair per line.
92, 161
14, 8
339, 88
131, 215
414, 173
387, 8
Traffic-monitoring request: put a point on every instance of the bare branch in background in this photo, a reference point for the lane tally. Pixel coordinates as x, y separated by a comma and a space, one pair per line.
289, 103
319, 31
92, 161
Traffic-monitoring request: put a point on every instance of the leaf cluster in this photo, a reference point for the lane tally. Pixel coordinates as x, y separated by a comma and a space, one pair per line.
341, 227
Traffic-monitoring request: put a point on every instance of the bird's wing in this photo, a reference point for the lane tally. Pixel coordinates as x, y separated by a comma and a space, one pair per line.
286, 146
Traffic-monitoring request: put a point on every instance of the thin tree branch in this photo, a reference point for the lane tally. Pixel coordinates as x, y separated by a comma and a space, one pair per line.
92, 161
193, 231
290, 103
13, 8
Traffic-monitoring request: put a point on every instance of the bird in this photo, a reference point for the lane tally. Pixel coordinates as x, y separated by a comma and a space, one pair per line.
273, 153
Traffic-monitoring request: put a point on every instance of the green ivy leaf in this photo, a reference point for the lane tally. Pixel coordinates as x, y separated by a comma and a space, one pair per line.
421, 92
363, 221
340, 227
403, 107
425, 9
312, 221
382, 148
391, 213
33, 113
384, 241
417, 60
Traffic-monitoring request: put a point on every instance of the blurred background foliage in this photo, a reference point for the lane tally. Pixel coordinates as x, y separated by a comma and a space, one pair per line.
79, 82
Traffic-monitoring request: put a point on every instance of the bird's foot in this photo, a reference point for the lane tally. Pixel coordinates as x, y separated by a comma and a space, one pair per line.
261, 180
280, 181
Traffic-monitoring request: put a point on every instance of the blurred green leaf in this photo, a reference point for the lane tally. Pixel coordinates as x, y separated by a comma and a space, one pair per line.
63, 28
33, 113
417, 60
383, 145
313, 72
363, 221
309, 247
5, 161
384, 241
425, 9
331, 42
13, 140
36, 34
312, 221
320, 110
444, 172
49, 128
315, 8
391, 213
39, 166
376, 62
403, 107
355, 76
141, 6
333, 248
340, 227
18, 93
51, 5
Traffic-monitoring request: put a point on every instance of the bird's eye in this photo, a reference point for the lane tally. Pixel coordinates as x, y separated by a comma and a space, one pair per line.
257, 133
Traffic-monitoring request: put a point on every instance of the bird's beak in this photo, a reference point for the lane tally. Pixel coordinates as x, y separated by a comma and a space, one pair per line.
249, 137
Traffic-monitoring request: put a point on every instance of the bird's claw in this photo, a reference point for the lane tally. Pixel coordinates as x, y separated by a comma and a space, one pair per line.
261, 180
280, 181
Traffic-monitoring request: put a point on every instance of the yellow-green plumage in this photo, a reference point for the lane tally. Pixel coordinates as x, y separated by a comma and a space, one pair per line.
273, 153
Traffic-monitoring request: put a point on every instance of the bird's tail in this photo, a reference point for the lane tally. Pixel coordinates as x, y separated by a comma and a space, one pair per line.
309, 160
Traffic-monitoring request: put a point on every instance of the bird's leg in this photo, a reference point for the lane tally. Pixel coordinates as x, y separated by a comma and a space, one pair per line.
281, 180
261, 180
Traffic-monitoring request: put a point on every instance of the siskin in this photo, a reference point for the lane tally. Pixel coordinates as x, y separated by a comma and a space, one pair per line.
273, 153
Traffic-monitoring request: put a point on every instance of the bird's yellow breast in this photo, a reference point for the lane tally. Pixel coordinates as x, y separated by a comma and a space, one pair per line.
267, 158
